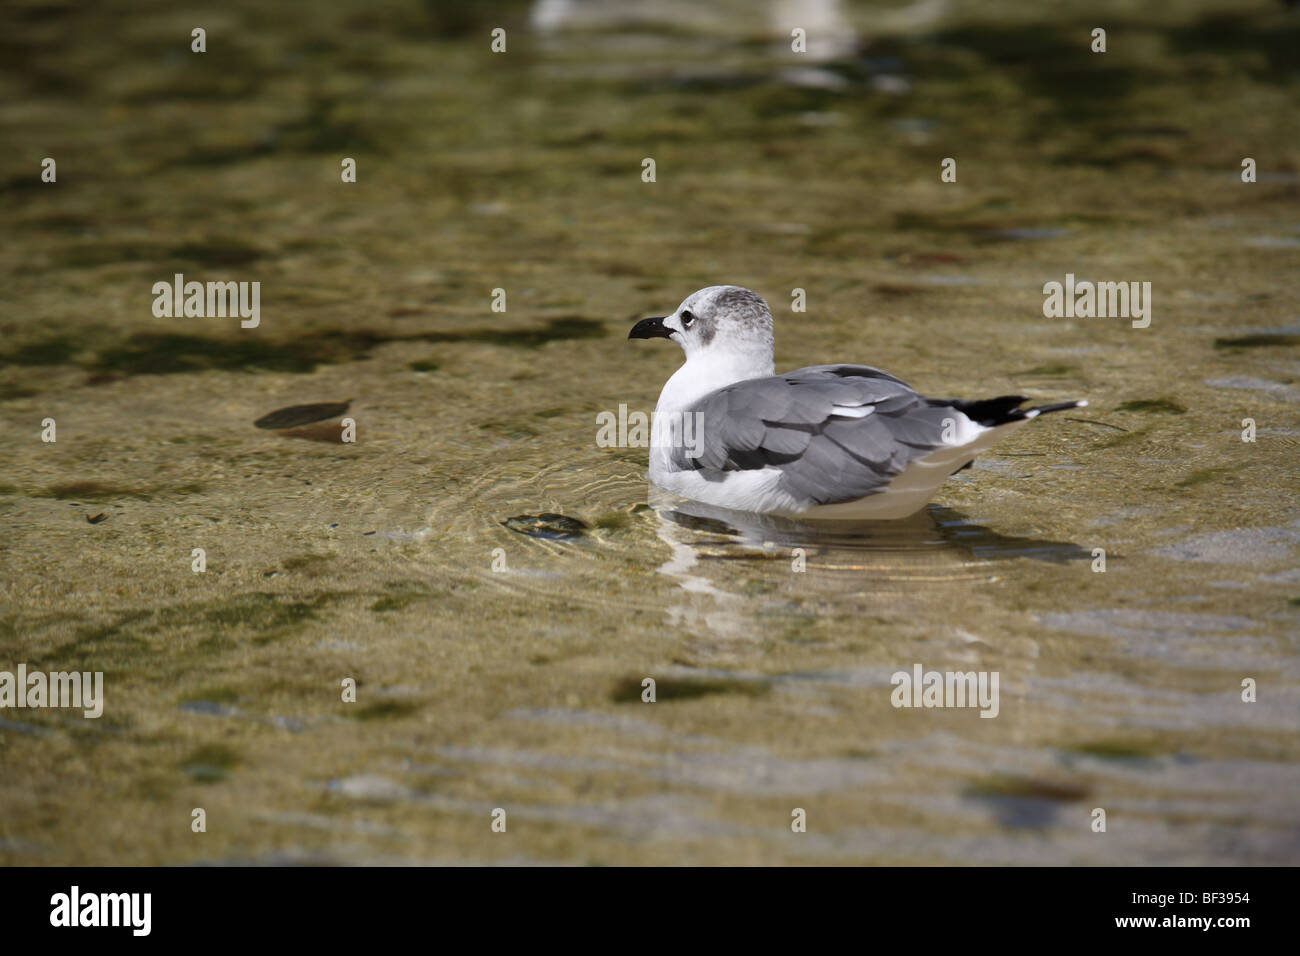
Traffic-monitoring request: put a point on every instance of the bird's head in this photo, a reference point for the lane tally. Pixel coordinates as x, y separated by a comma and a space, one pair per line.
718, 321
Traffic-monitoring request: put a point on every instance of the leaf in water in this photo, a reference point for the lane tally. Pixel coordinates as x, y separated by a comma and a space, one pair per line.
295, 415
548, 524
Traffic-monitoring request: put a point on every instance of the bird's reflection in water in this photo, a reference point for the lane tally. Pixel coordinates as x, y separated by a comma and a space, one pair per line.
936, 546
931, 528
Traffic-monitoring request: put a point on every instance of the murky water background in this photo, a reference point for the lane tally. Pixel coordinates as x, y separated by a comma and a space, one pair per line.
521, 689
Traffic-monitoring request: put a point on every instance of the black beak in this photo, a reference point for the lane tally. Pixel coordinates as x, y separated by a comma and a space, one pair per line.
650, 329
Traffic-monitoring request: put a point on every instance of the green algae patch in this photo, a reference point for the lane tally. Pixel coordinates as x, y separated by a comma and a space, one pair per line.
152, 353
220, 694
613, 521
1117, 749
186, 634
171, 353
211, 763
1258, 340
629, 690
94, 491
401, 601
262, 612
101, 491
382, 710
1050, 370
52, 351
311, 563
1028, 788
1205, 476
1165, 406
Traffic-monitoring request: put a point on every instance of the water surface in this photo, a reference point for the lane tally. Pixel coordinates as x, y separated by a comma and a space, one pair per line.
521, 689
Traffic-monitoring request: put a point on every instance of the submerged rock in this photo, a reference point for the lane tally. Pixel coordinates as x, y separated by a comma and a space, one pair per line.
548, 524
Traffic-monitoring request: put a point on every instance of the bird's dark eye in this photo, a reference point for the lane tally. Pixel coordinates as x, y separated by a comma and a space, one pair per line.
687, 319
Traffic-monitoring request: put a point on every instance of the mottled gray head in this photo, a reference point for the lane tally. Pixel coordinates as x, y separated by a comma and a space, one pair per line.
719, 319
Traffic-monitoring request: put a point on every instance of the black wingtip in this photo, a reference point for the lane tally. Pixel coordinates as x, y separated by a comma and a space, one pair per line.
991, 412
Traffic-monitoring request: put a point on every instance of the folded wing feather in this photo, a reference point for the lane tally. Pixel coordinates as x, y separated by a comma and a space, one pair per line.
836, 432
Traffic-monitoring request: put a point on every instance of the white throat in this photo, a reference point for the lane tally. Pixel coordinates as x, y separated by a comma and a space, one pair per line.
708, 371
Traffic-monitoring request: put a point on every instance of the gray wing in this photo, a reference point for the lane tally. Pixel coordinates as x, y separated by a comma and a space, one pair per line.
836, 432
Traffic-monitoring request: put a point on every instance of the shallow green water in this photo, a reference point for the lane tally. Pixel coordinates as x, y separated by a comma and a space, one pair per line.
520, 689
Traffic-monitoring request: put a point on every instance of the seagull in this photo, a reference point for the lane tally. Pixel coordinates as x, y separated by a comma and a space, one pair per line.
827, 442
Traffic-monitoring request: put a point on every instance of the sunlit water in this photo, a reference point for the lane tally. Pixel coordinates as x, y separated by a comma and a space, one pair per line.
500, 664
